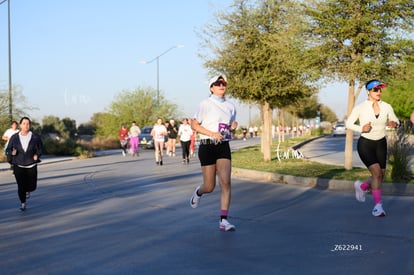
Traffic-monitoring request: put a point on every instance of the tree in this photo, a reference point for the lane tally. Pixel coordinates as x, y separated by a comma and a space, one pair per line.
258, 45
399, 92
140, 105
359, 40
308, 108
65, 128
20, 107
327, 114
69, 126
106, 124
87, 129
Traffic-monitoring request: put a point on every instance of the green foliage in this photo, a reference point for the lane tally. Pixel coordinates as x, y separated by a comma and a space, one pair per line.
106, 124
327, 114
259, 46
307, 108
399, 154
260, 49
250, 158
66, 147
317, 131
357, 41
20, 107
87, 129
36, 127
65, 128
360, 40
139, 105
399, 91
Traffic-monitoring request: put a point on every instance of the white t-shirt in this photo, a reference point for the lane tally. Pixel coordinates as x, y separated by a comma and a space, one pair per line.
365, 113
134, 131
9, 132
159, 132
25, 140
216, 115
185, 132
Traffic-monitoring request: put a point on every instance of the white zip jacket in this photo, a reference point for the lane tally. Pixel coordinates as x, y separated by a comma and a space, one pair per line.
365, 114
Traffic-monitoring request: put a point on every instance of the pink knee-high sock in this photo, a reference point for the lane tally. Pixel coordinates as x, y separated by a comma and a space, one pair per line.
376, 195
223, 214
365, 186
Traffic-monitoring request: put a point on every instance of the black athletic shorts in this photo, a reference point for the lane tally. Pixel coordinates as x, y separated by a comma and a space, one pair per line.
372, 151
211, 152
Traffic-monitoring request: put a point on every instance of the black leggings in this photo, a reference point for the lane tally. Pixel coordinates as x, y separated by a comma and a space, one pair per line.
26, 179
185, 146
373, 151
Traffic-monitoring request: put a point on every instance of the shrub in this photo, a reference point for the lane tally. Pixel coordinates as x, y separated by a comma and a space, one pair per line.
60, 147
399, 148
99, 143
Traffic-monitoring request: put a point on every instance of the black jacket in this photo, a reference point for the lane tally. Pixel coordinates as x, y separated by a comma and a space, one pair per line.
23, 158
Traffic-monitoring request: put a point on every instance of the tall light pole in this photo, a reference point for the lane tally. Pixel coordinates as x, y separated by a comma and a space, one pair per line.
9, 50
157, 58
10, 80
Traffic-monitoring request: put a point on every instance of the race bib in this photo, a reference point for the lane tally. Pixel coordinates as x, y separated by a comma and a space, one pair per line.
224, 130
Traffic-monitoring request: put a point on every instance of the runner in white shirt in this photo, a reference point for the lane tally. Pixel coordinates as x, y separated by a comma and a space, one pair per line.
214, 121
6, 137
9, 132
185, 132
158, 134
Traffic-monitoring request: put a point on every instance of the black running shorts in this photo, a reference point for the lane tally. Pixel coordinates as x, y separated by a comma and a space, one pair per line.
210, 153
372, 151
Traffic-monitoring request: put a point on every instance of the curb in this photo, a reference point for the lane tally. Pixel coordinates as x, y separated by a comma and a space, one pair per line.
297, 146
395, 189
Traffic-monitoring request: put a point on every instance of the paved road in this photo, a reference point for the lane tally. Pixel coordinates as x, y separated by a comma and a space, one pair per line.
123, 215
330, 150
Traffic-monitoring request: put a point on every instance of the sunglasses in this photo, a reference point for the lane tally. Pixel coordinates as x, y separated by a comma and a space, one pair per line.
376, 90
219, 82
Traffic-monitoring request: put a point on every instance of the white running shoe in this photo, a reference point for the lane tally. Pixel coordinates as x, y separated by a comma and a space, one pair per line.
195, 199
378, 211
226, 226
359, 193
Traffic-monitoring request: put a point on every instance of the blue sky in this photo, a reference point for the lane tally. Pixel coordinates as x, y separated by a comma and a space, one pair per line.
71, 58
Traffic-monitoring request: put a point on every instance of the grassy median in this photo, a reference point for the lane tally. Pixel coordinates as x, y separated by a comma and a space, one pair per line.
251, 158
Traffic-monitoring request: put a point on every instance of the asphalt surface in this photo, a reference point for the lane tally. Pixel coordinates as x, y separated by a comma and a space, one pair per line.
330, 150
124, 215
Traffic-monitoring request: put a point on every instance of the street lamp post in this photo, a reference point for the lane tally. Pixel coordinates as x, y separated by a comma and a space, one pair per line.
10, 80
9, 50
9, 54
157, 58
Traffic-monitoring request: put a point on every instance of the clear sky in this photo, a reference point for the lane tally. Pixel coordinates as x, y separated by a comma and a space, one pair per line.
71, 58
